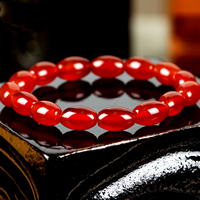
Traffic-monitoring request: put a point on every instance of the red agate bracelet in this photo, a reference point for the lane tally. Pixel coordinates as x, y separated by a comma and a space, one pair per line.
16, 92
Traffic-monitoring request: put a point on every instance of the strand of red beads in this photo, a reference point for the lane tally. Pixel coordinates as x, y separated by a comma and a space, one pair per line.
16, 92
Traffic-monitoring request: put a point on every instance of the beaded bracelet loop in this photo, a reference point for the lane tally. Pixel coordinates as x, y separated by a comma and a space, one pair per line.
16, 92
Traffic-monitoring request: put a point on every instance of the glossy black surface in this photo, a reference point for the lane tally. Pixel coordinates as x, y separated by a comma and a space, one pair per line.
147, 167
94, 164
97, 94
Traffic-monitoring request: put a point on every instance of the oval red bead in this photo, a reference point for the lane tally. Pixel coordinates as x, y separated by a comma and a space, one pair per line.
73, 68
22, 102
79, 118
116, 118
139, 68
174, 101
24, 79
107, 66
45, 72
150, 113
190, 90
46, 113
164, 72
7, 90
181, 77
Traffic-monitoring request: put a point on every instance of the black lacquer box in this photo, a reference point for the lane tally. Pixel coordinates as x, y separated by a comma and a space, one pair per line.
152, 162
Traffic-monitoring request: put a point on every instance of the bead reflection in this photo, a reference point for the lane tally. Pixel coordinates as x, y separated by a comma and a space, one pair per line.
174, 122
191, 114
148, 131
24, 125
8, 115
78, 139
74, 90
142, 90
110, 137
47, 92
108, 88
46, 136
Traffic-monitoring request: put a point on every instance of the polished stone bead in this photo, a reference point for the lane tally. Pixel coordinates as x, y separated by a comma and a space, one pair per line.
107, 66
174, 100
190, 90
73, 68
164, 72
46, 113
24, 79
116, 118
139, 68
45, 72
181, 77
22, 102
7, 90
79, 118
150, 113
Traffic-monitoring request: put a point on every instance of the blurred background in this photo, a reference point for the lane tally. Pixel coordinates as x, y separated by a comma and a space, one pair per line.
36, 30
